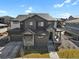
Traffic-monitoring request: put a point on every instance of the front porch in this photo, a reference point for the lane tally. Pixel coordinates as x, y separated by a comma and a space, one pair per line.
54, 37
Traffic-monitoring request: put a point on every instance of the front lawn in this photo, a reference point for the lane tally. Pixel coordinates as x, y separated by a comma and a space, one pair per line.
68, 53
36, 54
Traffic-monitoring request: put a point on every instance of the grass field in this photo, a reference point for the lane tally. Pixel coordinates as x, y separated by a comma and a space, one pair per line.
36, 54
68, 53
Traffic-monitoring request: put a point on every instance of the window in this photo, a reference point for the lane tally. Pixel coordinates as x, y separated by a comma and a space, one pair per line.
41, 23
31, 23
40, 36
43, 34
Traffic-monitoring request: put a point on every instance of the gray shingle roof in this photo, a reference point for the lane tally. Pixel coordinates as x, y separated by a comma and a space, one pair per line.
43, 15
22, 17
28, 31
32, 31
7, 17
73, 21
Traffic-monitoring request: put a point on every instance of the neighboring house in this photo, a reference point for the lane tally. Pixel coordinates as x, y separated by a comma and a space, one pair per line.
6, 20
15, 24
14, 31
72, 28
34, 30
1, 20
3, 29
3, 34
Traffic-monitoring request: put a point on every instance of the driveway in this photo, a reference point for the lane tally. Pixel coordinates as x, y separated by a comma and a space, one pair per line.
66, 43
10, 50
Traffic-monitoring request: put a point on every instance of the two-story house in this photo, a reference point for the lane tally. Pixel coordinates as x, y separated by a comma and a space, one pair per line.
34, 30
6, 20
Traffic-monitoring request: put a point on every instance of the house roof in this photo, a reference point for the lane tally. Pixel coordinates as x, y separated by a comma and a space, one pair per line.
50, 27
73, 21
7, 17
43, 15
37, 31
28, 31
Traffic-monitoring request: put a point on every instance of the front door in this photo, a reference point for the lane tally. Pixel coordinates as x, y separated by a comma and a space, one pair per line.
51, 36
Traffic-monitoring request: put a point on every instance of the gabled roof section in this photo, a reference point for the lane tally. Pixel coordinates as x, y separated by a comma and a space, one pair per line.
29, 31
7, 17
22, 17
50, 27
43, 15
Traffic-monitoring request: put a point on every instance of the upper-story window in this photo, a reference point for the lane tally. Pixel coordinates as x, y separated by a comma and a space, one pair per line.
41, 23
31, 23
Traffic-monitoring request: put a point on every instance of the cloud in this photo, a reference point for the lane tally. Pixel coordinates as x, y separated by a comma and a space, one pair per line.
64, 15
22, 5
59, 5
29, 10
3, 12
67, 1
75, 3
62, 4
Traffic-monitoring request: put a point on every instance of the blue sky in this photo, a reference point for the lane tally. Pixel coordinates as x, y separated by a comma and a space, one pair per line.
56, 8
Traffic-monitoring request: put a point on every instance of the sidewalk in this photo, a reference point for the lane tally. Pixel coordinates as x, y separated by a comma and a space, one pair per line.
52, 53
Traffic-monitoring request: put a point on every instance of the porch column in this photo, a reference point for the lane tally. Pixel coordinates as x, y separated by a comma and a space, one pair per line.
60, 36
33, 39
53, 35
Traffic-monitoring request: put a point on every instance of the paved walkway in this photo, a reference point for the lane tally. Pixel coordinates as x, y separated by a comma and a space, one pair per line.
52, 53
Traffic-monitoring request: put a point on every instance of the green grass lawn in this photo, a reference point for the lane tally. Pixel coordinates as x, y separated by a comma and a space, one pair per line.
36, 54
68, 53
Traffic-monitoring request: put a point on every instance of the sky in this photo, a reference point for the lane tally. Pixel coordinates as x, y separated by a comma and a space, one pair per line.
55, 8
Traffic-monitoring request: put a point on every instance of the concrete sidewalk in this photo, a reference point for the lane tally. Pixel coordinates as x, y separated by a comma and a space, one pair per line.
52, 53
